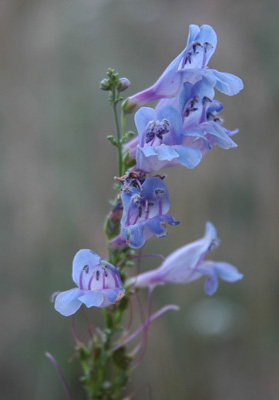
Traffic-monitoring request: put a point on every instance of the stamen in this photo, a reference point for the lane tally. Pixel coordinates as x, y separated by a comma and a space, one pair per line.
104, 281
188, 58
195, 45
205, 101
146, 209
115, 279
97, 275
139, 184
155, 129
90, 281
190, 106
80, 279
136, 219
206, 46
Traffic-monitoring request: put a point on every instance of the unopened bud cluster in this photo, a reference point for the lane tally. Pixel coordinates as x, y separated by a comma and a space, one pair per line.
114, 82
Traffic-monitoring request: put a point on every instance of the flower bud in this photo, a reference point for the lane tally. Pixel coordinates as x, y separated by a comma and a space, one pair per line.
105, 84
123, 84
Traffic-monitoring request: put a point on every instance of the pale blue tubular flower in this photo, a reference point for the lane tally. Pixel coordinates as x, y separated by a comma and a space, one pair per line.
98, 284
160, 140
187, 264
189, 66
145, 205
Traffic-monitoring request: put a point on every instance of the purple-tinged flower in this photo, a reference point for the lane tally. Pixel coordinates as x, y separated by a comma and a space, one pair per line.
187, 264
98, 284
145, 204
180, 130
160, 140
189, 66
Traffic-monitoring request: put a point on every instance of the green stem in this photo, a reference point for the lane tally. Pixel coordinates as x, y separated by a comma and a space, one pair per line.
123, 122
118, 133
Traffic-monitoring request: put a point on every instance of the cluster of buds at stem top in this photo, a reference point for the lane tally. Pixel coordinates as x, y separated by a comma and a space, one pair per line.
113, 81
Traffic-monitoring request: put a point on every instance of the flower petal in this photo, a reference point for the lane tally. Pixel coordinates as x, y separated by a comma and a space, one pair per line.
215, 270
142, 117
82, 258
188, 157
67, 303
227, 83
152, 159
218, 134
92, 298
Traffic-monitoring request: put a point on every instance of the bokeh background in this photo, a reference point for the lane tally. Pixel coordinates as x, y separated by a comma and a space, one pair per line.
56, 180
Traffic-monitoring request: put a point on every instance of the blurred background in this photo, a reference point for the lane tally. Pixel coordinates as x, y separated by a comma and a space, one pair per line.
57, 172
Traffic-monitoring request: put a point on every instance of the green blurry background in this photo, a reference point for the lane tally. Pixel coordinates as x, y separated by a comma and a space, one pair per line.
57, 169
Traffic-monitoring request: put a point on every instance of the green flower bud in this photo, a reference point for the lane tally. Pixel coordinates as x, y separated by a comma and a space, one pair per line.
105, 84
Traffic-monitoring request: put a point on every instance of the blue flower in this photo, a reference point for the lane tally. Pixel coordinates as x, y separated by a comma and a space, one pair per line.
145, 204
189, 66
187, 264
98, 284
160, 140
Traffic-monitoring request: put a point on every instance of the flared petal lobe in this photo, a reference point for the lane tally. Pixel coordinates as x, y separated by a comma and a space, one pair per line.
67, 303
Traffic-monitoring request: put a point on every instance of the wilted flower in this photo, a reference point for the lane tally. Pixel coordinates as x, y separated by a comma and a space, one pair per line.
98, 282
187, 264
189, 66
145, 204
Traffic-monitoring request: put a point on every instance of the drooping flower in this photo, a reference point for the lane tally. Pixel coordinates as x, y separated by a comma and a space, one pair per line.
187, 264
98, 284
189, 66
145, 204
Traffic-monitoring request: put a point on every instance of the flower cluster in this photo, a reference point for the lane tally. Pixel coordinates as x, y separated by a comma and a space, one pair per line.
182, 128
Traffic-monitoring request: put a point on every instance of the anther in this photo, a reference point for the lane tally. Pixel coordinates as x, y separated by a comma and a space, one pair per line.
159, 192
188, 58
86, 269
195, 45
205, 100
